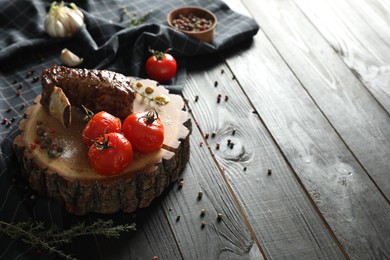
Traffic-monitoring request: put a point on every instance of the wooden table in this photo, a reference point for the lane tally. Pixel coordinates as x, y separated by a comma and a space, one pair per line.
297, 158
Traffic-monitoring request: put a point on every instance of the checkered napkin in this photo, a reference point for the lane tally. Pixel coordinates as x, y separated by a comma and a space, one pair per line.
106, 41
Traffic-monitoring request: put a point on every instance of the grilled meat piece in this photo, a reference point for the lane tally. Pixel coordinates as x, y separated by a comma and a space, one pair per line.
97, 90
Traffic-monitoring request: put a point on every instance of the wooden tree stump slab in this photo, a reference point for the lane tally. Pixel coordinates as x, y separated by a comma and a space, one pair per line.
71, 179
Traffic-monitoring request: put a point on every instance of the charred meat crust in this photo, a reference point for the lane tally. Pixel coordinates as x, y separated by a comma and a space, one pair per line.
98, 90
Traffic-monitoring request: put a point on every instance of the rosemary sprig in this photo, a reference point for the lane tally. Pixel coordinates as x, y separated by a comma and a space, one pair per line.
134, 19
35, 233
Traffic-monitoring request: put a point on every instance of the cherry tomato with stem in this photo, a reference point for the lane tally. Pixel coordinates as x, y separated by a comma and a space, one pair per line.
144, 130
161, 66
101, 123
110, 154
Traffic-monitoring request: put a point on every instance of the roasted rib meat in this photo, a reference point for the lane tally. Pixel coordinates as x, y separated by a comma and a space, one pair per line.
97, 90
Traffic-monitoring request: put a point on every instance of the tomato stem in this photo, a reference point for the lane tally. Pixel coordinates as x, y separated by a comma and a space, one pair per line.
88, 114
150, 117
103, 144
158, 54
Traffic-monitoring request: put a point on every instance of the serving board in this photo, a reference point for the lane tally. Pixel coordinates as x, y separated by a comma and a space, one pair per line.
70, 177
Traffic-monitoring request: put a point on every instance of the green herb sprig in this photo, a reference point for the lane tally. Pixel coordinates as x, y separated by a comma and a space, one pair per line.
35, 233
133, 18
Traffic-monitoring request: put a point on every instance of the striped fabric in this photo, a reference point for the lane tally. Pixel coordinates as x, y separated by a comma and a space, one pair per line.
107, 41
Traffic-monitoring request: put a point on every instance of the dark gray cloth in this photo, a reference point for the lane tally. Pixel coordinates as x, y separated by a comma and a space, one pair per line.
106, 41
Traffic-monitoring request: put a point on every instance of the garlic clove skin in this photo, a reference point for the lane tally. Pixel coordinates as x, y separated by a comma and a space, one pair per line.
50, 26
62, 21
75, 22
70, 59
59, 30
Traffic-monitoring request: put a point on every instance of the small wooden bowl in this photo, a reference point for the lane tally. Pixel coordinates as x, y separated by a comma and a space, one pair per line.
205, 35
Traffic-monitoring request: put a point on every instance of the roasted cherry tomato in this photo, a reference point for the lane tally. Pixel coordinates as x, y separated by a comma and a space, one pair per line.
145, 131
161, 66
110, 154
101, 123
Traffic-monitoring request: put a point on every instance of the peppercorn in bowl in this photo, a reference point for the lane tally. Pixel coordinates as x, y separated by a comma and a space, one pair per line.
194, 21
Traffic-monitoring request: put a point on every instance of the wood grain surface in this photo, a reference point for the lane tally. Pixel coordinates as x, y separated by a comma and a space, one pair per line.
245, 167
314, 146
309, 100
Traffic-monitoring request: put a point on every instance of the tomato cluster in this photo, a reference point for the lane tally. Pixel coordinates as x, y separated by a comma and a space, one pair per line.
111, 144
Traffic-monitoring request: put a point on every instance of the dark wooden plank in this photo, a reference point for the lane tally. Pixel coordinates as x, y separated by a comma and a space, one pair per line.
277, 209
160, 233
359, 119
341, 188
228, 238
153, 237
358, 31
361, 122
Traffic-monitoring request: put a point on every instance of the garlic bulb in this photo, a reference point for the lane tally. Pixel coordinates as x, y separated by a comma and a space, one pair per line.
70, 59
62, 21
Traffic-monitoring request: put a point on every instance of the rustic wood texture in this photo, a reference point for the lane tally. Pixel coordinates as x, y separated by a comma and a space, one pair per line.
246, 168
179, 211
340, 187
358, 32
361, 121
309, 100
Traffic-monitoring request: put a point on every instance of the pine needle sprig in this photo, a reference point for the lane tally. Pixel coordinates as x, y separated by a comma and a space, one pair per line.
36, 234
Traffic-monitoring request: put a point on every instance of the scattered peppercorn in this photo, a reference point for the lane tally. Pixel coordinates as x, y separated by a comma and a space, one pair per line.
203, 212
206, 135
20, 85
23, 106
9, 110
245, 169
19, 92
231, 145
181, 184
217, 145
219, 98
219, 216
234, 131
200, 194
191, 22
200, 143
213, 134
229, 141
196, 98
54, 150
215, 83
203, 224
269, 171
222, 71
177, 218
226, 98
